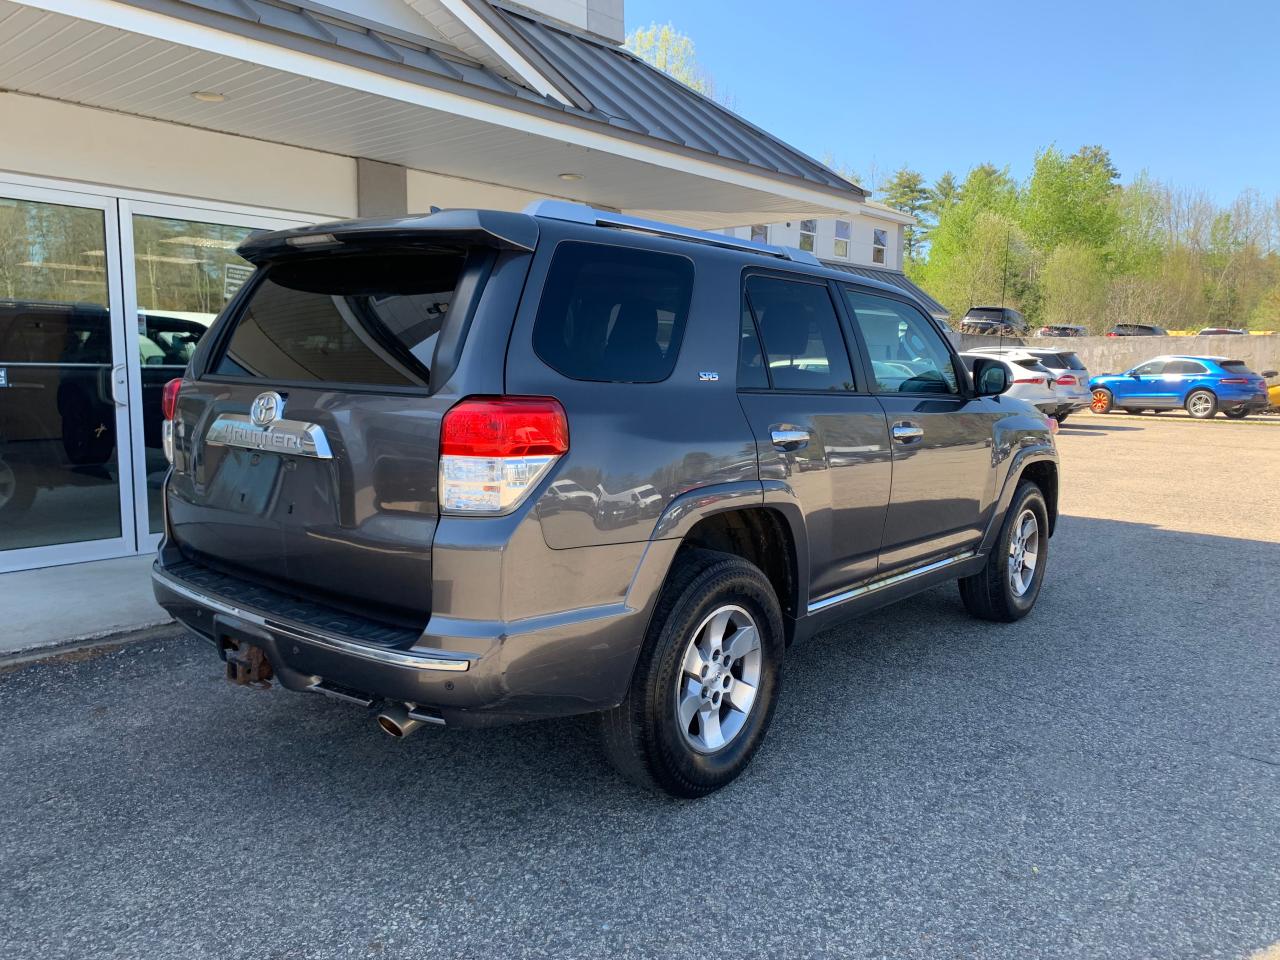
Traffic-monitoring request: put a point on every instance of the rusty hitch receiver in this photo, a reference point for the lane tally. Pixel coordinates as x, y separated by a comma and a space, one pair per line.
247, 664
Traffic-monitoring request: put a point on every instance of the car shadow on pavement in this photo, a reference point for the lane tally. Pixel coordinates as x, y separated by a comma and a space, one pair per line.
1083, 429
1101, 778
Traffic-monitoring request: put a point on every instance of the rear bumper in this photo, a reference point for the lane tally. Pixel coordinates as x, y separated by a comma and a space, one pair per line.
1254, 403
576, 663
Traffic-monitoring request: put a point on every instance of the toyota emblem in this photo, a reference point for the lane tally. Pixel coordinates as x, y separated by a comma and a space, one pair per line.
266, 408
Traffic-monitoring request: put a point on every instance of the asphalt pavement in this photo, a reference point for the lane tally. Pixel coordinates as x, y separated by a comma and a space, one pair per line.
1101, 779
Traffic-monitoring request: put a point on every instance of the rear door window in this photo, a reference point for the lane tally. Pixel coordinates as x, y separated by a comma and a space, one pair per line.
613, 314
797, 323
364, 319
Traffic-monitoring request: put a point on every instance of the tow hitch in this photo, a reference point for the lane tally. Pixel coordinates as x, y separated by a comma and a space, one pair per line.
246, 664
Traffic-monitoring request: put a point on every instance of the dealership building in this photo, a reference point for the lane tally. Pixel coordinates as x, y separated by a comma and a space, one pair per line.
145, 139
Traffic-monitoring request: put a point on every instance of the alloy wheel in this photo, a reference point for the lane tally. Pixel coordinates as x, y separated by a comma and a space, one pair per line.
1200, 405
719, 678
1101, 402
1024, 548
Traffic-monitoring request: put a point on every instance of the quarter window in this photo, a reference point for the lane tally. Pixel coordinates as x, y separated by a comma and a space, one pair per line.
797, 323
760, 232
613, 314
879, 241
907, 353
843, 228
808, 234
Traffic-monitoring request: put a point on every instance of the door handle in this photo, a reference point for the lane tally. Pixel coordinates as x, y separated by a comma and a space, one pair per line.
119, 385
789, 438
907, 432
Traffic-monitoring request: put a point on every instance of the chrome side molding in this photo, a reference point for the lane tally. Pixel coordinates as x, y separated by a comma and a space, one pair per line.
897, 578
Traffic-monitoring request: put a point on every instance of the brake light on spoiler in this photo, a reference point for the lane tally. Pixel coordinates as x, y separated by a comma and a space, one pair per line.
495, 450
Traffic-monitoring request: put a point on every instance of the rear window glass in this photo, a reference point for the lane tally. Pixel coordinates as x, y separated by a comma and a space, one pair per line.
976, 313
1072, 361
354, 319
613, 314
1235, 366
802, 341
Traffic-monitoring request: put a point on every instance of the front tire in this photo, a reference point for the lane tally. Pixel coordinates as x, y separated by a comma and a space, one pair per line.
707, 680
1202, 404
1006, 588
1102, 401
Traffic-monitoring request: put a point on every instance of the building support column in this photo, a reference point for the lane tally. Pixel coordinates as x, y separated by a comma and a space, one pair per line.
381, 189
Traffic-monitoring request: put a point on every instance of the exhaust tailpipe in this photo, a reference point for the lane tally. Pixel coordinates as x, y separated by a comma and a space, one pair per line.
396, 722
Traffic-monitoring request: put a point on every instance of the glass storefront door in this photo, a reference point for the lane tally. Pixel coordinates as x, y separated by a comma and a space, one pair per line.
64, 434
102, 301
181, 269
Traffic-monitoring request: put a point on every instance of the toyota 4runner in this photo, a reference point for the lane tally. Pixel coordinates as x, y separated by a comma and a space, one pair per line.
479, 467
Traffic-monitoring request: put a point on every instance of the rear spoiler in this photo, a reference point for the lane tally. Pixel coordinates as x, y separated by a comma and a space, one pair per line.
486, 228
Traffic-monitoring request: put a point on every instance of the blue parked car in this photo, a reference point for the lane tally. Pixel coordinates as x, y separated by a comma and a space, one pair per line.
1200, 385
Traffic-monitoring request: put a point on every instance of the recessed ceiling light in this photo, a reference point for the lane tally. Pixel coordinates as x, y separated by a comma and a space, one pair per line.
570, 177
209, 96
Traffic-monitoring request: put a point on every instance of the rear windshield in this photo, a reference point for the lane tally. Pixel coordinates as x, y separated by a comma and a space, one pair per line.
1062, 361
613, 314
989, 313
1235, 366
364, 319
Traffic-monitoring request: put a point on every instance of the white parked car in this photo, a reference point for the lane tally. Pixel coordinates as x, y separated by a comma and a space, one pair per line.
1070, 376
1029, 379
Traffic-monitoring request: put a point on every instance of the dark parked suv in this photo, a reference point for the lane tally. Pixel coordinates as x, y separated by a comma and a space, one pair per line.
479, 467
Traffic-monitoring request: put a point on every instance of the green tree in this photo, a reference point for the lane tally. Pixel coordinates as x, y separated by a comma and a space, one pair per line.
672, 52
1074, 286
943, 195
906, 191
1071, 199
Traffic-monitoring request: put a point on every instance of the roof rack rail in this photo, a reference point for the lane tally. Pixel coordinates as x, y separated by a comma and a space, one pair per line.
581, 213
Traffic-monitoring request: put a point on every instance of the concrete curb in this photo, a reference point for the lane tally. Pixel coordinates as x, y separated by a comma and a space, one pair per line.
83, 648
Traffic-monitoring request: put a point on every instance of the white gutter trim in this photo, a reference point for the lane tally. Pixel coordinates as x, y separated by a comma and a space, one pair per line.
122, 16
469, 18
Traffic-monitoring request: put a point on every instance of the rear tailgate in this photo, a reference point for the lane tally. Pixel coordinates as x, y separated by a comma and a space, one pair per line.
306, 451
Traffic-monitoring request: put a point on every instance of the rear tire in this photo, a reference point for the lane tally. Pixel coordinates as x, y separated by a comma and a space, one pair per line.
1235, 414
1005, 590
1102, 401
680, 729
1202, 404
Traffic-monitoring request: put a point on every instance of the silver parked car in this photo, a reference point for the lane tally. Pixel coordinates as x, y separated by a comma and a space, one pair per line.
1070, 376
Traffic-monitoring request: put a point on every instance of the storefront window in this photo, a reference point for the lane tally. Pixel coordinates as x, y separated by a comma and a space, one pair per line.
59, 466
186, 272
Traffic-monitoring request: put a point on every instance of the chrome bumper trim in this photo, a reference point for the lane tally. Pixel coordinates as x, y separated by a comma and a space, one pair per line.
897, 578
397, 658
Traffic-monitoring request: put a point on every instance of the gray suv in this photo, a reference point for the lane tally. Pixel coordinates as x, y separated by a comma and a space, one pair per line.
477, 467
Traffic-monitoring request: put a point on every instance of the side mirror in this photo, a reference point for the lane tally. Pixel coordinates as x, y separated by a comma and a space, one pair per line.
990, 378
1135, 374
1268, 374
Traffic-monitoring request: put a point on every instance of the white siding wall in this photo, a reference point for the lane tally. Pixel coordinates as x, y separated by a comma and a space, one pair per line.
861, 236
48, 138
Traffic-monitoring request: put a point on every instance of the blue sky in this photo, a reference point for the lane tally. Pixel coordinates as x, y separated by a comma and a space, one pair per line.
1188, 91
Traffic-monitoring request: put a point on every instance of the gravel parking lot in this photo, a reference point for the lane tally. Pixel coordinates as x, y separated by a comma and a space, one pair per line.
1099, 780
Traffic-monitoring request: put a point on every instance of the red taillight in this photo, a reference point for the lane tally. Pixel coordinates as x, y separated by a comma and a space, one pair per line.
1113, 334
1040, 380
169, 398
505, 427
1234, 380
1065, 381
